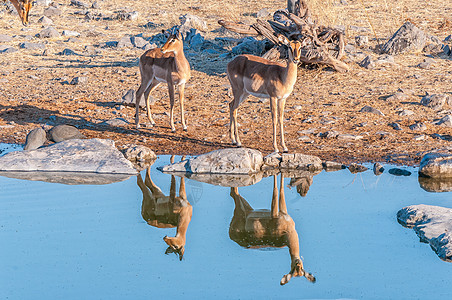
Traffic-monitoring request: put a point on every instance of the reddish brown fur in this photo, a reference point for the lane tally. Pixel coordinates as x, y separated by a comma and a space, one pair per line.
23, 8
167, 64
253, 75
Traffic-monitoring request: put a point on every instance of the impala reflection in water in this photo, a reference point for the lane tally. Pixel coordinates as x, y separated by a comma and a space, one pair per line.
252, 228
163, 211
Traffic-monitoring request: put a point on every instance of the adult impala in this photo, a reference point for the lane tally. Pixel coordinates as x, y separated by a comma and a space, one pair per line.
262, 78
23, 8
163, 211
169, 65
263, 228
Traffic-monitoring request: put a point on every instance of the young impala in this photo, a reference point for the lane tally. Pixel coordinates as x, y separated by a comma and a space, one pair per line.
262, 78
23, 8
263, 228
167, 64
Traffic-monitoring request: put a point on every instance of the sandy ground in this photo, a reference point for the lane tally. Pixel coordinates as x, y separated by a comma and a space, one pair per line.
33, 93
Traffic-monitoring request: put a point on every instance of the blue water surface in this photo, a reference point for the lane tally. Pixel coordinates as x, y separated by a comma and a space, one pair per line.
91, 242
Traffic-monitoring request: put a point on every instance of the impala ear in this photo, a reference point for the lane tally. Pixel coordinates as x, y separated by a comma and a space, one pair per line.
282, 39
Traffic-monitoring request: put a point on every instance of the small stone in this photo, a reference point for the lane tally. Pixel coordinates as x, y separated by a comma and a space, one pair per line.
371, 110
78, 3
421, 137
399, 172
139, 42
367, 63
263, 13
5, 38
118, 122
361, 40
406, 112
32, 46
79, 80
45, 21
349, 137
139, 153
52, 11
418, 127
70, 33
396, 126
397, 97
333, 166
48, 33
355, 168
67, 52
445, 121
378, 169
435, 101
305, 139
125, 42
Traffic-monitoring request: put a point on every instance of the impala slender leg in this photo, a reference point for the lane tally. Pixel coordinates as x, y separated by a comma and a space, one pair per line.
138, 96
281, 105
155, 190
148, 91
181, 99
182, 192
274, 111
274, 208
236, 129
171, 95
282, 197
231, 123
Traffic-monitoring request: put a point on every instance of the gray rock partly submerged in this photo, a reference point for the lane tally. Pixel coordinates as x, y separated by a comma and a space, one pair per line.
75, 155
223, 161
436, 165
433, 225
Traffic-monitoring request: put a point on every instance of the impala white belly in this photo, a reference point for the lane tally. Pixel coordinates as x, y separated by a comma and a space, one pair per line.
254, 88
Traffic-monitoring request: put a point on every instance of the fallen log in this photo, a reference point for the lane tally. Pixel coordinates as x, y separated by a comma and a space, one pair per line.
321, 45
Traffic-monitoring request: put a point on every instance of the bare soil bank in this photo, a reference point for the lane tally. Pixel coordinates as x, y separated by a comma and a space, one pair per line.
34, 89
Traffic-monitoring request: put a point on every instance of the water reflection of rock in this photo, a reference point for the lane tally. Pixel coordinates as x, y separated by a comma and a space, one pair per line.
268, 228
227, 180
435, 185
163, 211
70, 178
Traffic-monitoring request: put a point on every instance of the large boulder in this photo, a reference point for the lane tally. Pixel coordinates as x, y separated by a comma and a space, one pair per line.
223, 161
433, 225
300, 161
436, 165
61, 133
35, 139
94, 155
407, 38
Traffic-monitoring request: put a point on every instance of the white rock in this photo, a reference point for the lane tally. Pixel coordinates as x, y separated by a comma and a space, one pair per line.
433, 225
94, 155
300, 161
223, 161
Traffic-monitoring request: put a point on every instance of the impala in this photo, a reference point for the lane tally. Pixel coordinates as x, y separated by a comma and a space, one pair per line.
263, 228
23, 8
167, 64
262, 78
163, 211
